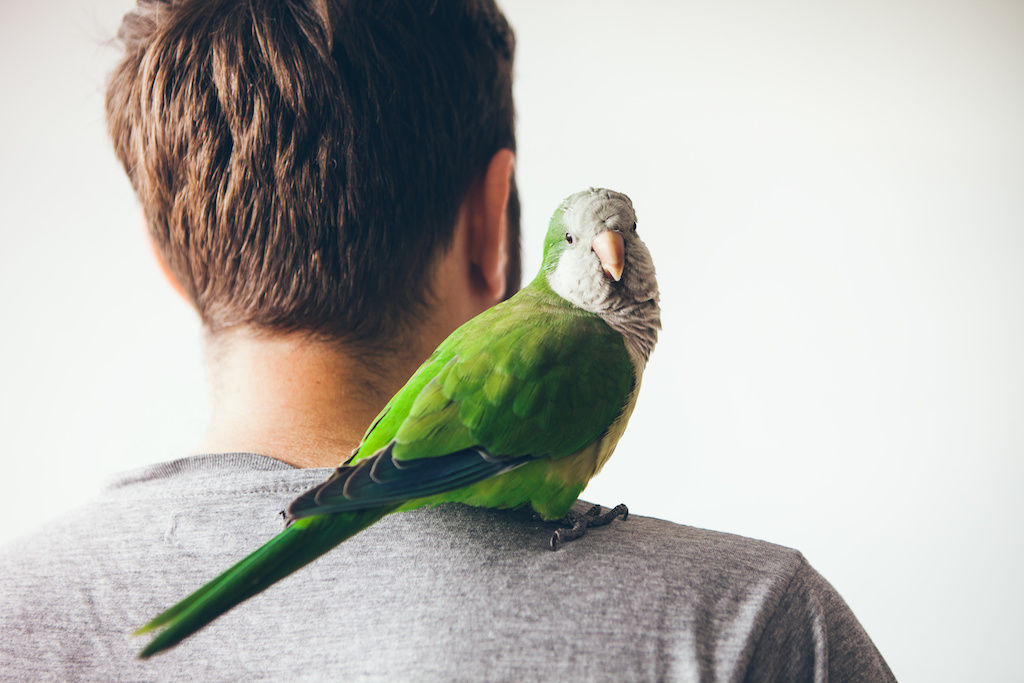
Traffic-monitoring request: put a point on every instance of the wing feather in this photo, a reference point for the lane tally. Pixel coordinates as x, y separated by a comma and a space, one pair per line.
382, 480
530, 378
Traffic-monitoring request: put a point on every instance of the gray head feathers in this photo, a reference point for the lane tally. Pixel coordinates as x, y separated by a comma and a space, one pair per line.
629, 305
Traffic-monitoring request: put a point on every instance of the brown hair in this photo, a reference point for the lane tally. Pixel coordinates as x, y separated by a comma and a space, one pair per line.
301, 163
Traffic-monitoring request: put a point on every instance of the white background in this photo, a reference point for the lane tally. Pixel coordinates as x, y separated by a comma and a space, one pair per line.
834, 197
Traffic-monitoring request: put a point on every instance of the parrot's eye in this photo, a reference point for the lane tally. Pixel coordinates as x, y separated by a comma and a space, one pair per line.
569, 238
634, 226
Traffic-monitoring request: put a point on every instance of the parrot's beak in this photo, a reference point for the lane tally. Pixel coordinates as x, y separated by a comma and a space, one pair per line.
611, 250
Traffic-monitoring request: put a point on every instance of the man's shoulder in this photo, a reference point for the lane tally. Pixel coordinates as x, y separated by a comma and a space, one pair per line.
637, 599
188, 517
719, 550
691, 563
208, 507
172, 510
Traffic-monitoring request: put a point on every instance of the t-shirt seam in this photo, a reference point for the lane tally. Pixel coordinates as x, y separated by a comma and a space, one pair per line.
208, 463
284, 488
778, 603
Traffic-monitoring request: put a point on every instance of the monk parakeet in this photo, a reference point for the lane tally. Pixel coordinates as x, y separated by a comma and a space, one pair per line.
521, 405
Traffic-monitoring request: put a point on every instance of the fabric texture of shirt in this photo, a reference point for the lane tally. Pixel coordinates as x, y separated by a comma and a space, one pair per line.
446, 593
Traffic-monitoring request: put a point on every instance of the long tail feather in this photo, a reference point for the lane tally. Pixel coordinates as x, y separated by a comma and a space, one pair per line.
298, 545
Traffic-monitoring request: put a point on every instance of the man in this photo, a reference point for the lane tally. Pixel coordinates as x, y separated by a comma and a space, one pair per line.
330, 184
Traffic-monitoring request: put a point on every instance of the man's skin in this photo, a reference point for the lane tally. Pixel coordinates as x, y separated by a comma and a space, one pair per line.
308, 402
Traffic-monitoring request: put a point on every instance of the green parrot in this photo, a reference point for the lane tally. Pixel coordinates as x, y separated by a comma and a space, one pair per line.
521, 405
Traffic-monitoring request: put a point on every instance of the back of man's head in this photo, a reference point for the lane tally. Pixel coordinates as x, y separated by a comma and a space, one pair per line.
301, 163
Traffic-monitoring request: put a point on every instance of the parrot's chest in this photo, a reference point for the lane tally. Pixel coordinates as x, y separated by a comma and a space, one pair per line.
566, 477
606, 444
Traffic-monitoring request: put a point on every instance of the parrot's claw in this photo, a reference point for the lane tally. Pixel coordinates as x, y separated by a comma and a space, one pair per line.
577, 524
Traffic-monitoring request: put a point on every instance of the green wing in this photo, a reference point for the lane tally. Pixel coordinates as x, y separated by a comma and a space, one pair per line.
532, 376
526, 383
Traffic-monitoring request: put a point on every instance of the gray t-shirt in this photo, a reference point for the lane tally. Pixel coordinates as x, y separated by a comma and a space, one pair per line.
448, 593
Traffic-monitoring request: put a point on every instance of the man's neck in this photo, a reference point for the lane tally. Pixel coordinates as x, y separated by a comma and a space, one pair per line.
305, 403
309, 403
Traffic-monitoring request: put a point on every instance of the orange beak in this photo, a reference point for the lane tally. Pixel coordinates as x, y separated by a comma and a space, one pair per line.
611, 250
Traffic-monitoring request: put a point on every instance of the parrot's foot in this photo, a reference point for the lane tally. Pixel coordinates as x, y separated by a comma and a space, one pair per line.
577, 524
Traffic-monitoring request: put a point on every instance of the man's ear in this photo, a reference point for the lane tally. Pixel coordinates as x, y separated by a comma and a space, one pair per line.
165, 269
489, 224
